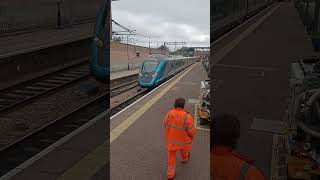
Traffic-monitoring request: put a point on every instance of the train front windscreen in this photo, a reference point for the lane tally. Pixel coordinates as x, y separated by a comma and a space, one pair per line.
149, 66
147, 71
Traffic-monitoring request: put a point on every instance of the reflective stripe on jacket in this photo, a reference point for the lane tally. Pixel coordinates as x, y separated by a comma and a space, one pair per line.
226, 164
179, 129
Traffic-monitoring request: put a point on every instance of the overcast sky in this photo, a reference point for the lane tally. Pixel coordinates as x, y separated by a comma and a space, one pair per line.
166, 20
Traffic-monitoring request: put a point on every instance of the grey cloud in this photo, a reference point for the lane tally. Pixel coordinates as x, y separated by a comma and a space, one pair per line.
168, 20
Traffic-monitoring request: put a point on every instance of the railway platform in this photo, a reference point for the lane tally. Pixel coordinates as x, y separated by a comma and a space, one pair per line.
28, 55
135, 154
251, 80
120, 74
137, 148
20, 43
252, 74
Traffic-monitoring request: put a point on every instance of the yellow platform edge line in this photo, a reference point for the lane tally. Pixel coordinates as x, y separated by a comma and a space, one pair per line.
88, 166
224, 51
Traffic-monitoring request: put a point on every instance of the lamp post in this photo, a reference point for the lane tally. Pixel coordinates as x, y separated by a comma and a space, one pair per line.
111, 21
149, 46
247, 7
59, 15
316, 16
71, 13
128, 51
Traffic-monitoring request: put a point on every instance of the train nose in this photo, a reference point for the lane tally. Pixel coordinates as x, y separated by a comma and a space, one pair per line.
146, 77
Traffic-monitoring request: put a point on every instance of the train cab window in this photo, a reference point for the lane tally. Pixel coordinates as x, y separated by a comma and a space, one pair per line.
149, 66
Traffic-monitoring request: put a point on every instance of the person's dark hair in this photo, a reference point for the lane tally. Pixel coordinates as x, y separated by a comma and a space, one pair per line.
224, 130
179, 103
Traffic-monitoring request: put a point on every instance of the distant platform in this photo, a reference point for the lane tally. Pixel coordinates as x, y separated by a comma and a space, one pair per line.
124, 73
39, 39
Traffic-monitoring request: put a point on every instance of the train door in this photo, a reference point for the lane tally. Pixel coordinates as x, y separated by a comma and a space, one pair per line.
171, 67
174, 66
178, 64
163, 72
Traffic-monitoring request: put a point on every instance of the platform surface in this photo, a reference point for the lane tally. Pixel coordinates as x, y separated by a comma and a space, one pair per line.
253, 79
139, 151
30, 41
123, 73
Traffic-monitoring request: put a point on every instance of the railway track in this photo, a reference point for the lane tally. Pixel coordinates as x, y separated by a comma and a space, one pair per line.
123, 88
114, 110
18, 152
28, 146
32, 144
21, 93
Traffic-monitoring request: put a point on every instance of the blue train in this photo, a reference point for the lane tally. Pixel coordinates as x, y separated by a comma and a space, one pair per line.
100, 52
159, 68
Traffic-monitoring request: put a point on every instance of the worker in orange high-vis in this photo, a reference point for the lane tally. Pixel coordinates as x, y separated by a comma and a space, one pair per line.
179, 133
225, 162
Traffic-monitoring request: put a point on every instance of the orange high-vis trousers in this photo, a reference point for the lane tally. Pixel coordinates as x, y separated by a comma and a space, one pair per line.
172, 161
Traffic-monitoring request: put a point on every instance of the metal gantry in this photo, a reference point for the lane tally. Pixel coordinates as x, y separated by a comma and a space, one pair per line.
175, 43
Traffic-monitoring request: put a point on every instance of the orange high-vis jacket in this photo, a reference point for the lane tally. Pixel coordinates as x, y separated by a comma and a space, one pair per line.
179, 129
226, 164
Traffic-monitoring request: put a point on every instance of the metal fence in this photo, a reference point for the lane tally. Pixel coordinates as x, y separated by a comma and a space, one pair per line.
18, 15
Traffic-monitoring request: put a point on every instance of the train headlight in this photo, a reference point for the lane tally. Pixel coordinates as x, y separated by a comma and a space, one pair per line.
96, 40
154, 75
